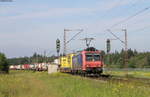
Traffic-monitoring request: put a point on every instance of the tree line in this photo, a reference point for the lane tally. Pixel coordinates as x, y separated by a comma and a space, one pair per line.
135, 59
114, 60
35, 58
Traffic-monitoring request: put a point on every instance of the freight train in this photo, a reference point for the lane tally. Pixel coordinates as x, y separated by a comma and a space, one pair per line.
36, 67
88, 61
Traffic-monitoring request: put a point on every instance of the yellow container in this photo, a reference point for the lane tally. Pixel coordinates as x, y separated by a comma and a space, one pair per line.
69, 57
66, 61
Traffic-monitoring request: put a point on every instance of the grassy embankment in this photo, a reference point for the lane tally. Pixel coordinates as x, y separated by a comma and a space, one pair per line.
40, 84
130, 73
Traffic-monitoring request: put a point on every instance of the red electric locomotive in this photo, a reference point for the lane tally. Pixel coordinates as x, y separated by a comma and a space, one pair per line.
88, 61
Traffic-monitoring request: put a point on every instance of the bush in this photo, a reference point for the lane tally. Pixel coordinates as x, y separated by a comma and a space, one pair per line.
4, 68
148, 60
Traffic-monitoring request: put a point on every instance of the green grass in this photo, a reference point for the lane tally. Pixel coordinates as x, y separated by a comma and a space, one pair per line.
138, 74
40, 84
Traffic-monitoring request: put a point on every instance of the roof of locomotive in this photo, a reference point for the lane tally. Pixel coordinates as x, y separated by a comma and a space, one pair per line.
91, 49
88, 50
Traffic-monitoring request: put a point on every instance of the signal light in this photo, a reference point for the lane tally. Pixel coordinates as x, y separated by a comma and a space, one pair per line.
108, 45
58, 45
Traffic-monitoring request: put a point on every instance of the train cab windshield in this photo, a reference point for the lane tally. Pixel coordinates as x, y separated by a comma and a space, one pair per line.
96, 57
92, 57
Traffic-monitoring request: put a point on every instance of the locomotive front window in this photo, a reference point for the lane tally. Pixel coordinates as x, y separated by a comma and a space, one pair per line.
92, 57
96, 57
89, 57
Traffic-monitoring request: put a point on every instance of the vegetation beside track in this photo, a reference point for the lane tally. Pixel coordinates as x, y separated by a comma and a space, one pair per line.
132, 73
4, 67
40, 84
135, 59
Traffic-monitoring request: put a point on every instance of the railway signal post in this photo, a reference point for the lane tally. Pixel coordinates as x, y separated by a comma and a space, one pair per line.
108, 50
58, 46
108, 45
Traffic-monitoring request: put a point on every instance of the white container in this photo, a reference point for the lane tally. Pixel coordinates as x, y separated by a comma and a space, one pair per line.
52, 68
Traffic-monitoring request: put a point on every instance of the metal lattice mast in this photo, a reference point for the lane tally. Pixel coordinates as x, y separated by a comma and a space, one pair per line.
125, 42
126, 48
65, 38
65, 42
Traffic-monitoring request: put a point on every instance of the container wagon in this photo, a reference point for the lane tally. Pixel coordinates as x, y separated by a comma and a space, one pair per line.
66, 63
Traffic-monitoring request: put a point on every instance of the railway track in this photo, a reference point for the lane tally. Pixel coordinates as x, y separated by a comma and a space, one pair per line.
124, 79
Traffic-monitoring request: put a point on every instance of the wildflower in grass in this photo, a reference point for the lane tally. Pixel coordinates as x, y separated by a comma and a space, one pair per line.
120, 85
130, 86
117, 89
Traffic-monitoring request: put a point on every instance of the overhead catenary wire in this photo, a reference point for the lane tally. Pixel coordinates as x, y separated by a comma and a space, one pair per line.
66, 42
115, 36
128, 18
73, 37
132, 5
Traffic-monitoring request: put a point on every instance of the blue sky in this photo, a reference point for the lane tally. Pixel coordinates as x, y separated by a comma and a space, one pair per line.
28, 26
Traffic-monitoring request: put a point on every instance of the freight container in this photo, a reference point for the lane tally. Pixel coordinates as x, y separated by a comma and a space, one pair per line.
26, 66
70, 56
66, 63
32, 66
12, 67
18, 67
